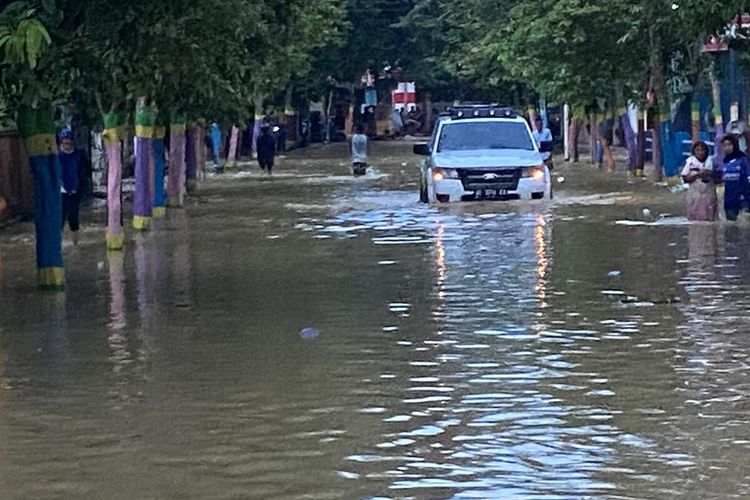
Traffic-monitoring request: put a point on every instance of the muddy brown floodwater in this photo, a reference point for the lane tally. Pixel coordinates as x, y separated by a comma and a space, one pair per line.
563, 350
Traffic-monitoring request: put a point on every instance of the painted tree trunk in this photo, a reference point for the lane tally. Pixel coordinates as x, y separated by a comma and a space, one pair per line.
144, 132
531, 110
641, 141
695, 120
37, 130
630, 139
670, 160
113, 133
191, 161
234, 140
160, 195
256, 133
176, 179
201, 151
718, 117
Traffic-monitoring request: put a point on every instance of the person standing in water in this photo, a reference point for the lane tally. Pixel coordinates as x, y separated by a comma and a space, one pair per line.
266, 149
735, 177
71, 165
699, 175
543, 134
359, 147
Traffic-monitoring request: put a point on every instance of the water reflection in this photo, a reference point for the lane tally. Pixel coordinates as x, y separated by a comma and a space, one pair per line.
486, 351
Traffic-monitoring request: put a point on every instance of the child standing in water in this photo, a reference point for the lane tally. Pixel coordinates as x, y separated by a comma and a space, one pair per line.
699, 175
359, 149
735, 177
71, 164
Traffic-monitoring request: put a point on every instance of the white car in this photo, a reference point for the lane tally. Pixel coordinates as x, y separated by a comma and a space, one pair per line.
483, 153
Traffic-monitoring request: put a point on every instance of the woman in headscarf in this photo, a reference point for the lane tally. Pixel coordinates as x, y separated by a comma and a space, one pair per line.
699, 175
735, 177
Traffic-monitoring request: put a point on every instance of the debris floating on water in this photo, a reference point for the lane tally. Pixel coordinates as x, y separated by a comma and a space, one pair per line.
614, 274
560, 179
309, 333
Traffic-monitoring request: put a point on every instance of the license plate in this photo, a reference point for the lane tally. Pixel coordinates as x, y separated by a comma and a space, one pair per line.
501, 192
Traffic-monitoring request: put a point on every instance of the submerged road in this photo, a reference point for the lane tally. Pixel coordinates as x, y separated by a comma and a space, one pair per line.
315, 336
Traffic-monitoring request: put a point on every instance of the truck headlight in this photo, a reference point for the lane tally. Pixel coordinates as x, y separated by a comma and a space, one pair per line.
444, 173
536, 173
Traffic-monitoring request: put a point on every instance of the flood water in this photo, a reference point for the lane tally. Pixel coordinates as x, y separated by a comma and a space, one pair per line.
319, 337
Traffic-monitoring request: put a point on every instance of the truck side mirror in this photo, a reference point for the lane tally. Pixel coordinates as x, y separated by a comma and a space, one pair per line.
422, 149
546, 147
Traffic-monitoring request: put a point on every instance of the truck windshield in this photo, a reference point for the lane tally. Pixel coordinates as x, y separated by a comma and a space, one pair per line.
468, 136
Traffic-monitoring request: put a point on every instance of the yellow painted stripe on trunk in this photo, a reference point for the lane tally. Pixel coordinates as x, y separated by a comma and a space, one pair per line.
159, 212
141, 223
51, 277
174, 202
115, 242
160, 132
177, 127
113, 135
144, 132
40, 145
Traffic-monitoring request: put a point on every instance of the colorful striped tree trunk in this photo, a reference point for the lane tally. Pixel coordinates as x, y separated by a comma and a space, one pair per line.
37, 130
191, 160
176, 180
113, 133
144, 132
233, 141
160, 195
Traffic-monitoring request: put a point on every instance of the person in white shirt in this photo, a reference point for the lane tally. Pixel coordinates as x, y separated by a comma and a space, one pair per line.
359, 148
543, 134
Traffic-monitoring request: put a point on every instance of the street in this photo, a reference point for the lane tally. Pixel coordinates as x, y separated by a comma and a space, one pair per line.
313, 335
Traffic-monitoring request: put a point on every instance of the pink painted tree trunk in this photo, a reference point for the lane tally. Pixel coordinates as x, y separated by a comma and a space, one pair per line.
233, 142
176, 179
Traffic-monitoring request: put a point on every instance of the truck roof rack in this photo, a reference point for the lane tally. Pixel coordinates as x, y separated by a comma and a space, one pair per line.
479, 111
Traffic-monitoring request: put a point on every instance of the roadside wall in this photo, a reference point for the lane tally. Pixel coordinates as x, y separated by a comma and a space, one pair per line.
16, 183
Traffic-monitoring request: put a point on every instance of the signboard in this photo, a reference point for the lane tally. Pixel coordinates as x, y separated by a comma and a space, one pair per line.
405, 96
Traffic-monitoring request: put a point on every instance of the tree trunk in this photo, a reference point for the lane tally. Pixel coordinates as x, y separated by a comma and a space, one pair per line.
114, 125
233, 142
191, 159
176, 180
201, 152
258, 104
329, 119
630, 140
37, 130
593, 138
718, 118
566, 132
144, 132
641, 144
656, 146
695, 120
574, 134
160, 195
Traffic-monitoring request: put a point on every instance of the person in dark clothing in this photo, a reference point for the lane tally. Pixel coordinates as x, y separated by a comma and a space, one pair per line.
266, 148
71, 165
735, 175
